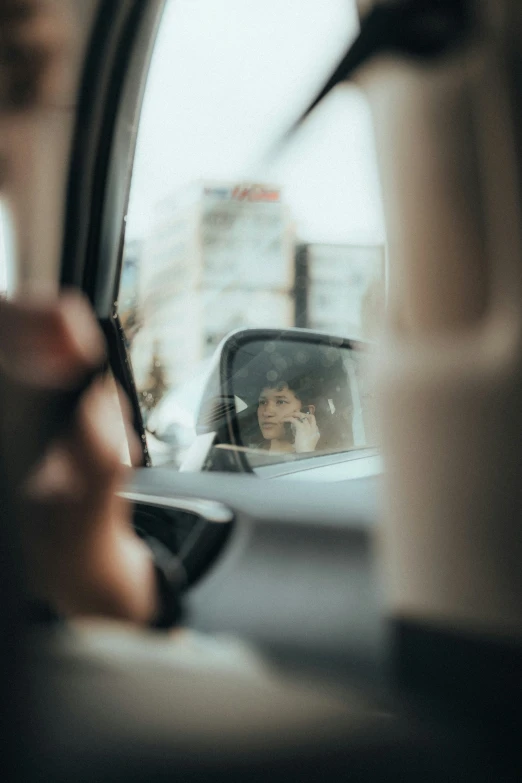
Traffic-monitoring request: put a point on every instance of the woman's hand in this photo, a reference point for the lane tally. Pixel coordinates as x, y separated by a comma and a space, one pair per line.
305, 430
81, 553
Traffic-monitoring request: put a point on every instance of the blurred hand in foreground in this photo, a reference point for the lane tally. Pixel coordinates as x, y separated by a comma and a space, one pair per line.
81, 553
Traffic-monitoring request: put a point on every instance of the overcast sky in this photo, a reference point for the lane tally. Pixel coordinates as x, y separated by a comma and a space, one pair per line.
226, 79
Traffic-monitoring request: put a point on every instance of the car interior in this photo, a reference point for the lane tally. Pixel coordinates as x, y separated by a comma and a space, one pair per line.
350, 612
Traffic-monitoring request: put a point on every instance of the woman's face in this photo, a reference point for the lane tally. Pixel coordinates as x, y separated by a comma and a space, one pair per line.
276, 405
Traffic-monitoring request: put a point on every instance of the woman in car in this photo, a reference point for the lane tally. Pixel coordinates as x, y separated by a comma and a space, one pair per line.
302, 411
286, 419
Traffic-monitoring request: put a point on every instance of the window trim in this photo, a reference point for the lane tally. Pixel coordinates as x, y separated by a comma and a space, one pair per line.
109, 107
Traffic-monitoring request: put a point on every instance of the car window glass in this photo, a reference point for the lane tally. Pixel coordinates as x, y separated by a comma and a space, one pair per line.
221, 234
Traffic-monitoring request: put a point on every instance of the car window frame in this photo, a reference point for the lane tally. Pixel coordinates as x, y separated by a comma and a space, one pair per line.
109, 108
341, 466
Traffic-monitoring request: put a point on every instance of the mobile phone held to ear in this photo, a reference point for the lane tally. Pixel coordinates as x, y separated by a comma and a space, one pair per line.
290, 427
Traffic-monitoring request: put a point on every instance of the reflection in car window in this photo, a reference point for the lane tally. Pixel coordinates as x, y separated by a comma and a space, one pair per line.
220, 236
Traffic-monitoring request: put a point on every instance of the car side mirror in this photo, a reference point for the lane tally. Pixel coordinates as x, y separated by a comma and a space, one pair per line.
279, 395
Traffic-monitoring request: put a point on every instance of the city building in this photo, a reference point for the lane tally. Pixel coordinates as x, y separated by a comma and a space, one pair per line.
340, 288
219, 257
